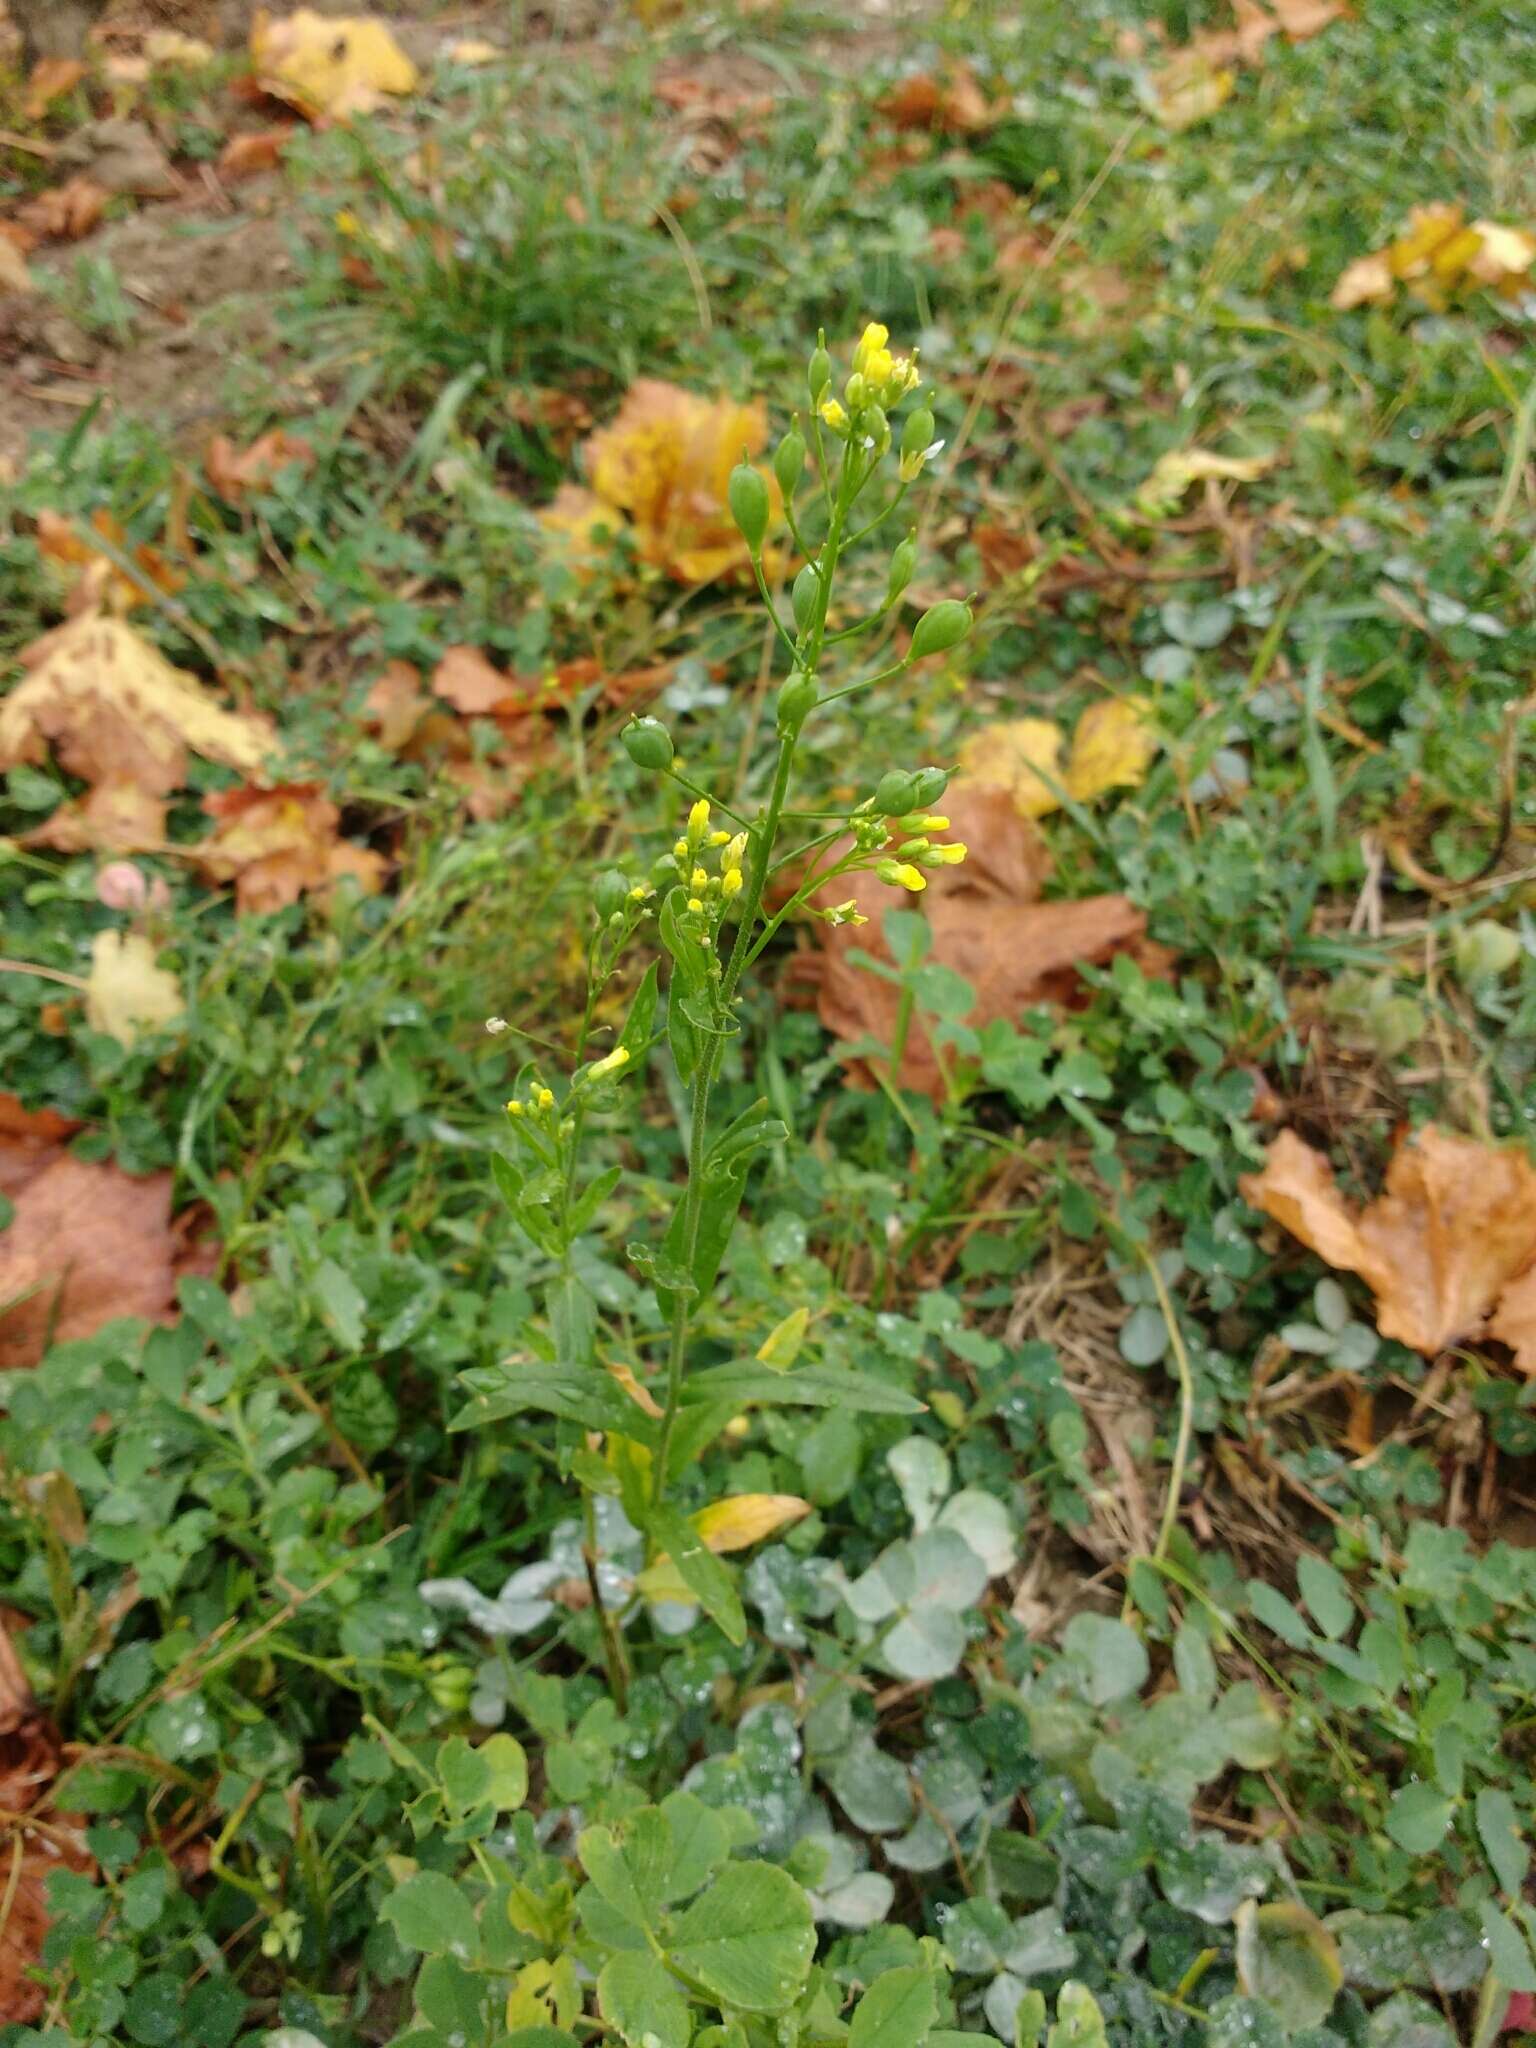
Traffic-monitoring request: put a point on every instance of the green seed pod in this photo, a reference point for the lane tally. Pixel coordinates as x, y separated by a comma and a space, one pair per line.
748, 498
803, 596
917, 434
929, 784
903, 567
818, 372
664, 872
648, 744
610, 893
789, 461
856, 392
942, 626
797, 695
895, 793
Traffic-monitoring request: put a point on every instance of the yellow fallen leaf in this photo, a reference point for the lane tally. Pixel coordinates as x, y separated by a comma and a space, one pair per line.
14, 274
326, 66
1189, 89
1111, 749
1432, 232
1010, 756
639, 1394
472, 52
1504, 253
781, 1347
170, 46
742, 1519
125, 992
115, 710
1367, 281
1174, 472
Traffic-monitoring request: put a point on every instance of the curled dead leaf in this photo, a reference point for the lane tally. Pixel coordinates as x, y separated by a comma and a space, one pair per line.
247, 156
1012, 756
1438, 1248
49, 79
233, 472
65, 212
277, 844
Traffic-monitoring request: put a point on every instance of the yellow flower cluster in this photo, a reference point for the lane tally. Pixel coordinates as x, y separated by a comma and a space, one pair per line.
707, 891
879, 381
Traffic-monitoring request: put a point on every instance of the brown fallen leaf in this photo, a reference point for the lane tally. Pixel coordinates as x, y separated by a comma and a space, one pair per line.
476, 687
112, 817
14, 274
49, 79
122, 154
1438, 1248
104, 583
395, 705
952, 105
35, 1840
1010, 756
247, 156
127, 992
30, 1139
1514, 1321
986, 923
1368, 281
64, 213
276, 844
113, 709
233, 472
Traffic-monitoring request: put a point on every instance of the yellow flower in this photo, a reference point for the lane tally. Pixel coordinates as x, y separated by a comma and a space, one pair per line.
735, 852
901, 874
698, 881
639, 892
544, 1097
871, 343
694, 904
949, 856
834, 415
680, 850
730, 882
718, 838
698, 821
619, 1057
514, 1108
878, 365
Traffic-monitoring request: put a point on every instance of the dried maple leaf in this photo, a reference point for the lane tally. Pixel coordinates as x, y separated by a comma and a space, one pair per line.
326, 66
65, 212
234, 471
30, 1140
665, 460
276, 844
986, 923
1454, 1225
115, 710
247, 156
126, 991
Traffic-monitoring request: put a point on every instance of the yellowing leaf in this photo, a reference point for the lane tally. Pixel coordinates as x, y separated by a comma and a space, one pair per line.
1504, 255
115, 710
1181, 467
1188, 89
781, 1347
1010, 756
126, 993
471, 51
172, 46
1111, 749
640, 1395
742, 1519
1365, 282
333, 67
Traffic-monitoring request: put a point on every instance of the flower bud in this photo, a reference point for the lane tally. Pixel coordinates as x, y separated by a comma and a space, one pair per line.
942, 626
894, 793
648, 744
789, 461
818, 371
856, 391
803, 595
747, 495
903, 567
929, 785
610, 893
797, 695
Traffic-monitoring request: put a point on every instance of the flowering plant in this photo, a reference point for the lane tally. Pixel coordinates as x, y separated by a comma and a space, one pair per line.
715, 900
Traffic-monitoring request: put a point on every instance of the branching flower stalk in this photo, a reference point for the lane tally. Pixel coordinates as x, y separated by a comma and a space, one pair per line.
709, 902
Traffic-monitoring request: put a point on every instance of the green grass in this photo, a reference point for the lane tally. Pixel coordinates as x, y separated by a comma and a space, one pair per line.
278, 1470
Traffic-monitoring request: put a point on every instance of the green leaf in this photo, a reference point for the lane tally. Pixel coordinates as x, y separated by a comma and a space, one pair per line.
1079, 2022
508, 1179
572, 1310
508, 1768
1287, 1958
1278, 1615
636, 1995
896, 2011
576, 1393
1498, 1829
682, 1037
806, 1387
748, 1940
1111, 1657
341, 1306
430, 1913
628, 1864
1326, 1595
641, 1021
1418, 1818
1508, 1950
1251, 1726
726, 1167
700, 1843
708, 1578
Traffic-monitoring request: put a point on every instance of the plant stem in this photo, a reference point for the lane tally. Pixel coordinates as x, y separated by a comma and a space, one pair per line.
613, 1642
1186, 1407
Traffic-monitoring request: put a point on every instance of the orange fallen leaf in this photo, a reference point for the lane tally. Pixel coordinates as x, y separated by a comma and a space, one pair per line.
104, 582
30, 1139
246, 156
63, 213
476, 687
952, 105
233, 472
49, 79
986, 923
395, 705
1514, 1322
112, 817
113, 709
277, 844
1438, 1248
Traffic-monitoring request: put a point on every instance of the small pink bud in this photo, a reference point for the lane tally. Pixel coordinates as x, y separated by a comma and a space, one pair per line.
1520, 2018
122, 886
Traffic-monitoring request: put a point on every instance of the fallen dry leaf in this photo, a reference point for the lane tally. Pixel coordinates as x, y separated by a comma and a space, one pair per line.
233, 472
987, 924
1010, 756
30, 1139
1188, 89
325, 66
126, 991
665, 460
14, 274
1454, 1226
1514, 1322
476, 687
276, 844
63, 213
49, 79
1112, 748
636, 1389
1439, 253
395, 705
1174, 472
115, 710
952, 105
112, 817
93, 551
1368, 281
473, 52
123, 155
246, 156
171, 46
742, 1519
34, 1839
